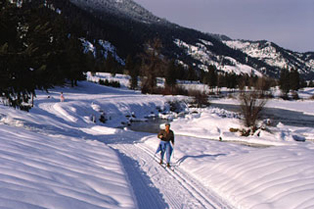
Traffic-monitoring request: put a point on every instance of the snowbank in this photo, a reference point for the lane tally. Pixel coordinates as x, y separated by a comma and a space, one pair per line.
267, 178
40, 171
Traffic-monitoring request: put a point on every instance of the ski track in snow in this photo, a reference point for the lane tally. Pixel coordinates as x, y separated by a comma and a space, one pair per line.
178, 189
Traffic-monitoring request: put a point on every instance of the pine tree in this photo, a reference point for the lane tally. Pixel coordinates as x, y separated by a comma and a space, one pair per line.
110, 64
75, 61
284, 83
212, 82
191, 75
153, 65
36, 51
129, 64
171, 74
231, 80
294, 79
133, 72
181, 72
14, 56
220, 82
90, 62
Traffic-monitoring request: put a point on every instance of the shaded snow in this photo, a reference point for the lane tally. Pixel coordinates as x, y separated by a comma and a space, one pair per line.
41, 171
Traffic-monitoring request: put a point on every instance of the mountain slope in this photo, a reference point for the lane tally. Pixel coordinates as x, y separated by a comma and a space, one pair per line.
127, 26
123, 8
275, 55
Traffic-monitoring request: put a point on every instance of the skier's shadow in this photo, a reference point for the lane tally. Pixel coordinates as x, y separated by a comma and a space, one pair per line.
179, 161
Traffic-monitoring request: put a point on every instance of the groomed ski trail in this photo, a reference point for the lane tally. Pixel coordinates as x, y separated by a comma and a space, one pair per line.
176, 188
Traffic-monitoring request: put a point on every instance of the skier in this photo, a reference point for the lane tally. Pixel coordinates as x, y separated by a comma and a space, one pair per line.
166, 137
61, 97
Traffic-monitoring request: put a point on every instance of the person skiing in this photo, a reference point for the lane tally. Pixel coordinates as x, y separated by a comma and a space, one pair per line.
61, 97
166, 136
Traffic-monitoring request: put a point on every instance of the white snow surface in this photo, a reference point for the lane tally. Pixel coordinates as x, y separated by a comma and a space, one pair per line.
55, 157
40, 171
268, 53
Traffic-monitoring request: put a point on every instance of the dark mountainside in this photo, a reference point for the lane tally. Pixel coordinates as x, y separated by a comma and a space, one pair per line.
128, 26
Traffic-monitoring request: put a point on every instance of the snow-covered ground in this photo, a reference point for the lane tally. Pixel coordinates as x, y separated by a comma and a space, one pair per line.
57, 171
55, 156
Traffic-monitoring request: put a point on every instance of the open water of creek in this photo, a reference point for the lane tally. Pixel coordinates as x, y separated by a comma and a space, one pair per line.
152, 125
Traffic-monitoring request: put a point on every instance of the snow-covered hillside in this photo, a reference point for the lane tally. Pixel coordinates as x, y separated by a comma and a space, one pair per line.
60, 155
273, 55
201, 53
104, 48
264, 51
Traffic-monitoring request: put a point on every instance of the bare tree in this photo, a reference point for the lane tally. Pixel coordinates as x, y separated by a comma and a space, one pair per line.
263, 85
200, 99
251, 106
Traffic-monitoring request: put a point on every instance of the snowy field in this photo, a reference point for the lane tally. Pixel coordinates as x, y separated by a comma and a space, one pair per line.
59, 155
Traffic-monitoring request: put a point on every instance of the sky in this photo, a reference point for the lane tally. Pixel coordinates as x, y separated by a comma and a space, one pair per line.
288, 23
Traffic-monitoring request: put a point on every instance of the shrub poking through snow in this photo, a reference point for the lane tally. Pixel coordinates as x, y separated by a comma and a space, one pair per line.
233, 130
251, 107
246, 131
